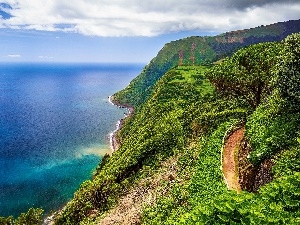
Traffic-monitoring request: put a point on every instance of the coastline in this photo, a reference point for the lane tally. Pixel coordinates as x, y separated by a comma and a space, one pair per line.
114, 145
113, 137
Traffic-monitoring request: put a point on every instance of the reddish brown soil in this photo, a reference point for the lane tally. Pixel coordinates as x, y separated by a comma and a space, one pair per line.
251, 177
230, 159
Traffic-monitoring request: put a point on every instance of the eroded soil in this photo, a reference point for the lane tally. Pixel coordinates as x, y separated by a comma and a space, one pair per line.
230, 159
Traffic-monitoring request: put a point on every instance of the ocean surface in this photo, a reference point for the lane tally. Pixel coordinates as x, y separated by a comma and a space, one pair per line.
55, 121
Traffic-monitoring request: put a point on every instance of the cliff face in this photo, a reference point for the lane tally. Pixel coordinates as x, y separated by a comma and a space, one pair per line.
200, 51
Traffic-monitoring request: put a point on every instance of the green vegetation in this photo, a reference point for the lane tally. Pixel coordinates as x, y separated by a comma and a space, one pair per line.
187, 118
275, 125
142, 86
157, 130
288, 71
199, 51
270, 130
247, 74
288, 162
32, 217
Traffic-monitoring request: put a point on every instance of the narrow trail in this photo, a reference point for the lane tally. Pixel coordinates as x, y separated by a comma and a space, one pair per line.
230, 160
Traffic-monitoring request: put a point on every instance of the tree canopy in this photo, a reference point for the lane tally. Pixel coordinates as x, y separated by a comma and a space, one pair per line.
248, 73
288, 70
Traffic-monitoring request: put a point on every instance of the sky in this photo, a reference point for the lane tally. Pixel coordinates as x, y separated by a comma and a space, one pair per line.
122, 30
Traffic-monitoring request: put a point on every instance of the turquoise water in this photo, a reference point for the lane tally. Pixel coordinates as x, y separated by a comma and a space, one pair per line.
55, 121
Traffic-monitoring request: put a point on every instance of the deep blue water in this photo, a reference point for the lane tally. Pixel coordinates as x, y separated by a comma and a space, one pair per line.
55, 121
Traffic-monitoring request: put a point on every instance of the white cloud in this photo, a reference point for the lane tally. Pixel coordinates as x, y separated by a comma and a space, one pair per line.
45, 57
14, 56
146, 18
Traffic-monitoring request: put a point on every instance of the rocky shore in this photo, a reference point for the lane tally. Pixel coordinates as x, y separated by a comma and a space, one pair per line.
113, 137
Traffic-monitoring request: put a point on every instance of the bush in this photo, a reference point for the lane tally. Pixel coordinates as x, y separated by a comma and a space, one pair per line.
288, 162
269, 130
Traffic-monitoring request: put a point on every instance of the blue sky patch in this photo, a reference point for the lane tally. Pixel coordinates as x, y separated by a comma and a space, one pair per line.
3, 7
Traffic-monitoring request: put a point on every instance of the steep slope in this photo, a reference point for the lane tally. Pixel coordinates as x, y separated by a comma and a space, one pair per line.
199, 51
157, 130
184, 121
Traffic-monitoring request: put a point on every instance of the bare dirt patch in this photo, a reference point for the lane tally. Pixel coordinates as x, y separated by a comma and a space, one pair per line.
230, 159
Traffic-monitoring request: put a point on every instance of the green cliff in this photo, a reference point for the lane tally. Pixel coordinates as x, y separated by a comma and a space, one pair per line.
168, 169
200, 51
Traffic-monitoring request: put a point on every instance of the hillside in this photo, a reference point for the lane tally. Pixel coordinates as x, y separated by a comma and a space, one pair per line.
200, 51
168, 169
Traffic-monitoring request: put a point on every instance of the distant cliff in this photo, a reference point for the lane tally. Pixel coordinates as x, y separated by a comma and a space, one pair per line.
200, 51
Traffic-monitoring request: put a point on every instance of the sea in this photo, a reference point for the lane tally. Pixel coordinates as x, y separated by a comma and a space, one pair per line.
55, 121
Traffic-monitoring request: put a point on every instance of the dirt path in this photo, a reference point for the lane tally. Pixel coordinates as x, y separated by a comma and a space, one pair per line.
230, 159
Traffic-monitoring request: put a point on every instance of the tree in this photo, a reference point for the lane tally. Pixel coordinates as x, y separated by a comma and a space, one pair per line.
248, 73
32, 217
288, 71
6, 221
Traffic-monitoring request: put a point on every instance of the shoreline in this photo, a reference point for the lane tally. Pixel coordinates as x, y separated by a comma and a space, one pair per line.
113, 139
114, 144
